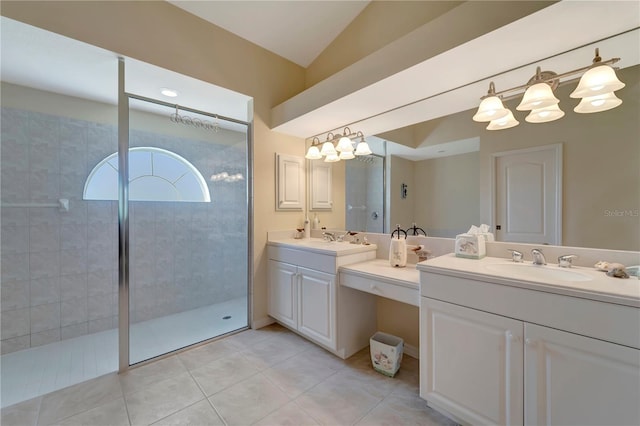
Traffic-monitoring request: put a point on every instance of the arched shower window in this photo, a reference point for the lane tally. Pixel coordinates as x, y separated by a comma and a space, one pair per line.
154, 175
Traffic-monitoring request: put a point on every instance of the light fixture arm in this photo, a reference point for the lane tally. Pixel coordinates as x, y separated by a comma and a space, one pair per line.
597, 60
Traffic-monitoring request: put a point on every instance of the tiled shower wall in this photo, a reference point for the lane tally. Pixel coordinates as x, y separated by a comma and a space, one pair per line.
59, 269
365, 181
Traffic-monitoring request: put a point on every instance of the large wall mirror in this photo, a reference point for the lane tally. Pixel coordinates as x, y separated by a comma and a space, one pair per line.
601, 169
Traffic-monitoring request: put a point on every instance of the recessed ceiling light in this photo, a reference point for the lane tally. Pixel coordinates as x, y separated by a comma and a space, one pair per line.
169, 92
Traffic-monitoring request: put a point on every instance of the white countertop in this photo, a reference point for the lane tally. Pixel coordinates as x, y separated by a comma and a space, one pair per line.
601, 287
380, 269
318, 245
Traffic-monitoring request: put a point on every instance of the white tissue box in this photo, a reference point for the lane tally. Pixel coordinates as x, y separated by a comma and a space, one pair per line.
471, 246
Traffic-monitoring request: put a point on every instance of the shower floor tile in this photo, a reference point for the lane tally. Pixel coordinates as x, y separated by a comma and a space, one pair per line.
36, 371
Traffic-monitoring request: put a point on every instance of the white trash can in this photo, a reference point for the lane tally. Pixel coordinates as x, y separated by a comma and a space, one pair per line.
386, 353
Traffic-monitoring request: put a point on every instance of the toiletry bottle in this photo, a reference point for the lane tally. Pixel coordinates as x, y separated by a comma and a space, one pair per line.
307, 227
316, 222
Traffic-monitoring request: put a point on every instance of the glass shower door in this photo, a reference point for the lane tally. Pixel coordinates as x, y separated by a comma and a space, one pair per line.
365, 194
188, 227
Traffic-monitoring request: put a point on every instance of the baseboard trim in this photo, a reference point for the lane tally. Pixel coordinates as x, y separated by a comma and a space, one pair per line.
412, 351
262, 322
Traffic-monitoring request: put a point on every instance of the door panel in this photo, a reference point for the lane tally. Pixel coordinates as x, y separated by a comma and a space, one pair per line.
473, 363
576, 380
283, 296
316, 295
528, 185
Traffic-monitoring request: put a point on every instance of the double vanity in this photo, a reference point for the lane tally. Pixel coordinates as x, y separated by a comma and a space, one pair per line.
500, 342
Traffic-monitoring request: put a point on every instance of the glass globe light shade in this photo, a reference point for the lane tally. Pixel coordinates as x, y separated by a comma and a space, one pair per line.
313, 153
346, 155
503, 123
597, 81
490, 108
598, 103
344, 145
537, 96
328, 149
544, 115
331, 158
363, 149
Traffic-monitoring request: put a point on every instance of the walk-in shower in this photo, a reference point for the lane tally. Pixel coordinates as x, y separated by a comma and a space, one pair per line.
365, 193
68, 312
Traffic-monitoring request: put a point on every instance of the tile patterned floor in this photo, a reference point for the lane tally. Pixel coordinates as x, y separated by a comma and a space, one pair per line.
269, 376
36, 371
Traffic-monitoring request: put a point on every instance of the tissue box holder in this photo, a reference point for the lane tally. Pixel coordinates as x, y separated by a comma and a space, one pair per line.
471, 246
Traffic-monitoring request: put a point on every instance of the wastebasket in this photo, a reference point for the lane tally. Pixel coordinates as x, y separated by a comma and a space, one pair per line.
386, 353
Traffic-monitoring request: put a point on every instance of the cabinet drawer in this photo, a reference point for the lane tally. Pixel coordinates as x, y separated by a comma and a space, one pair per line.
381, 288
306, 259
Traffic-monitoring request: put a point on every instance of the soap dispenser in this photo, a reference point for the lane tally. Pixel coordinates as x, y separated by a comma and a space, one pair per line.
307, 227
398, 248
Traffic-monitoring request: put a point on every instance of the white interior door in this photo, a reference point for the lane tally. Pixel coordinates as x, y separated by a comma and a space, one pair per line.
528, 195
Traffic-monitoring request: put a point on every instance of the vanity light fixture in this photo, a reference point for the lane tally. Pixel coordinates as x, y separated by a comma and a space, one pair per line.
505, 122
598, 103
544, 115
314, 153
597, 83
338, 147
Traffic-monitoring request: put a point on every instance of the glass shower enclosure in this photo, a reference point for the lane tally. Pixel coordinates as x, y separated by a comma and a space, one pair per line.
365, 194
188, 227
68, 313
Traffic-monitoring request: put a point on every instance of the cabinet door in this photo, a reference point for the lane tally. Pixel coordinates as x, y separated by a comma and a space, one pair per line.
577, 380
471, 363
283, 293
320, 186
290, 182
316, 306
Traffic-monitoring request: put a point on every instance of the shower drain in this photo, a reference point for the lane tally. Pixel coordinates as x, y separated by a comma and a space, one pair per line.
226, 317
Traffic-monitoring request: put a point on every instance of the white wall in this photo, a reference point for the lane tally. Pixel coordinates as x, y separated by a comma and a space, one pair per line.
448, 194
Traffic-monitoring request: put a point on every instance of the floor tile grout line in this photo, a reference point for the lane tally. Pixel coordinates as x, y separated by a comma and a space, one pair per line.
39, 408
124, 399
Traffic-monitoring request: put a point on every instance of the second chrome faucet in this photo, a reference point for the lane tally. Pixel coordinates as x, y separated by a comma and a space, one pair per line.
538, 257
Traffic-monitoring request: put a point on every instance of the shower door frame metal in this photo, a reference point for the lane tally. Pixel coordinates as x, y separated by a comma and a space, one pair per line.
123, 214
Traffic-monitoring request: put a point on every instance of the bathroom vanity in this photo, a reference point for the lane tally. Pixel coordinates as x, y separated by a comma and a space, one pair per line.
305, 295
502, 343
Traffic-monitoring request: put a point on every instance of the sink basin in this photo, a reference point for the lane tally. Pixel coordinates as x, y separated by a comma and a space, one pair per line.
539, 272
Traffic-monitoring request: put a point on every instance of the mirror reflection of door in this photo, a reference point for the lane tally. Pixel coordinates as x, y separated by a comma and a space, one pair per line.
528, 195
365, 194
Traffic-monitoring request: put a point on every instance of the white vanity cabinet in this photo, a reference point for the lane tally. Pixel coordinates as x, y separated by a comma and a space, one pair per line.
474, 363
496, 352
304, 294
303, 299
283, 293
573, 379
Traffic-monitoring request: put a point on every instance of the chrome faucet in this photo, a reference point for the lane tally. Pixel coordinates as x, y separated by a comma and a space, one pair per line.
538, 257
342, 237
328, 236
516, 255
565, 261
